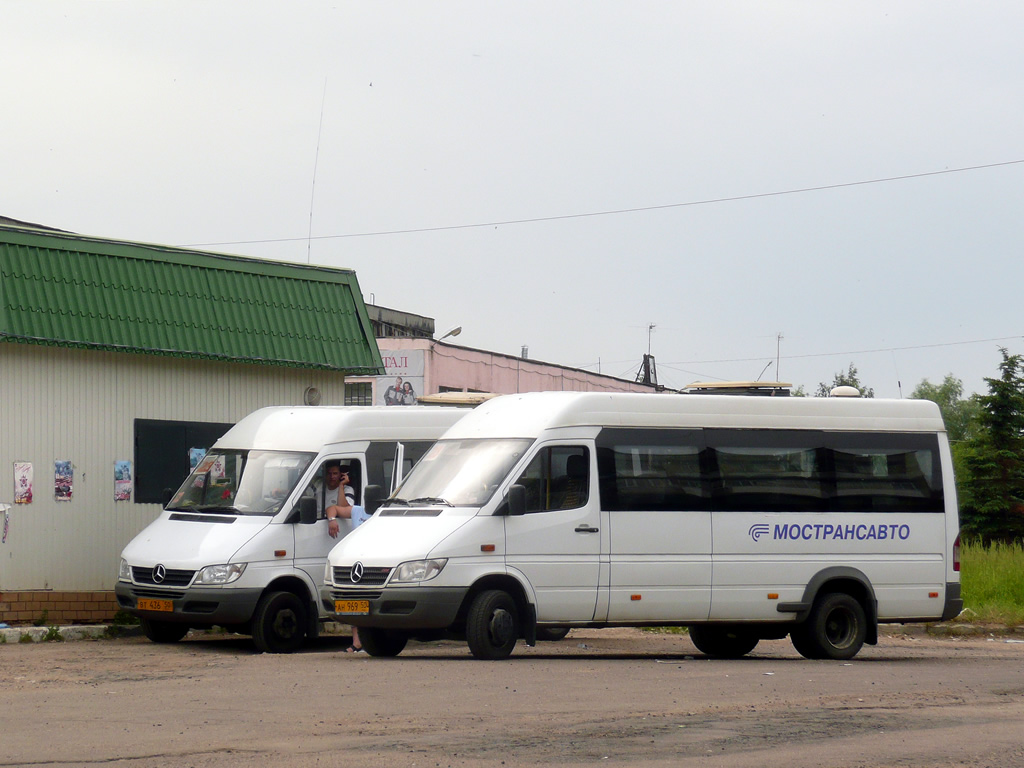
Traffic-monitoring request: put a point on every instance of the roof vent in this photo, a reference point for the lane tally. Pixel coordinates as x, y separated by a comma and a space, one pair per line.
844, 392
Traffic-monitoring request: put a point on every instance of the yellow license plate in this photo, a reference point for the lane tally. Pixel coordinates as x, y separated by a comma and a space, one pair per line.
352, 607
145, 604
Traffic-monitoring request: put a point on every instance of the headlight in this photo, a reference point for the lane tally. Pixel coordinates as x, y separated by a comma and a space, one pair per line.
328, 573
418, 570
124, 571
220, 574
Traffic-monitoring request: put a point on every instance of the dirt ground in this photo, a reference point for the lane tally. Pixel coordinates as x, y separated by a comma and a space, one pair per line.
599, 697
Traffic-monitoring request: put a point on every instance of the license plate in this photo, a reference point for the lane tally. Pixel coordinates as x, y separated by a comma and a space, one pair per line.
352, 607
145, 604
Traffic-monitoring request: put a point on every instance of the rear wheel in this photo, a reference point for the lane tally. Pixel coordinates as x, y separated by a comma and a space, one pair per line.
492, 625
382, 642
552, 634
279, 624
723, 642
835, 629
163, 631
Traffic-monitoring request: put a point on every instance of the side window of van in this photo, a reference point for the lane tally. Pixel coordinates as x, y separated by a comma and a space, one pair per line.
557, 478
651, 470
319, 487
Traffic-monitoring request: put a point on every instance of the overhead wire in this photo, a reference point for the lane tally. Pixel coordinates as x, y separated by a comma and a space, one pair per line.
615, 212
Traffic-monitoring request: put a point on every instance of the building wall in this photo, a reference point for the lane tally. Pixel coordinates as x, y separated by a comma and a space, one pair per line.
435, 366
80, 405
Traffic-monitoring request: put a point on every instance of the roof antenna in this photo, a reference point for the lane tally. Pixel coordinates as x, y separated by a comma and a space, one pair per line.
316, 160
899, 384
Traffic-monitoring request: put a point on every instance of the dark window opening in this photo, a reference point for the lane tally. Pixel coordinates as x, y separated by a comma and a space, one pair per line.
162, 454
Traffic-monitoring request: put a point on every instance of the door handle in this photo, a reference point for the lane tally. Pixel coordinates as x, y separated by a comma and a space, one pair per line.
586, 529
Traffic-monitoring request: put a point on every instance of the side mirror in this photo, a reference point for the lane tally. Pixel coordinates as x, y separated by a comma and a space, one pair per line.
373, 496
516, 500
307, 510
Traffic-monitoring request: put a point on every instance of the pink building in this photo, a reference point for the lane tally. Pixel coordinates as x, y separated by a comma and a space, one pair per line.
423, 366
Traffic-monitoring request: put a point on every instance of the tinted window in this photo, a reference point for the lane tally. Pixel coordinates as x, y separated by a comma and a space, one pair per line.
558, 477
763, 470
643, 469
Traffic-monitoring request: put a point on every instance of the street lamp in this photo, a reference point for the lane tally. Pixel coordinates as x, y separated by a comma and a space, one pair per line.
453, 332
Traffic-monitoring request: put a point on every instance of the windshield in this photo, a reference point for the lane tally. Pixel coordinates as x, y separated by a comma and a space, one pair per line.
241, 482
460, 472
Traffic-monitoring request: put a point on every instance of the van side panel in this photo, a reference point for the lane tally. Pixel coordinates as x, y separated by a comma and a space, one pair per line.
757, 555
660, 566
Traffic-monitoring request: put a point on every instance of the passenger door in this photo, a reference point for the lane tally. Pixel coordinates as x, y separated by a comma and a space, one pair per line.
658, 520
556, 545
312, 542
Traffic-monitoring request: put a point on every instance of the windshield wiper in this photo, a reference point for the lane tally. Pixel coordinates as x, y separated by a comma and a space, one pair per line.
432, 500
389, 502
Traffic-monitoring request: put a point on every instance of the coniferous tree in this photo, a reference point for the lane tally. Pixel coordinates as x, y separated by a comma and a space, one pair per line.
992, 509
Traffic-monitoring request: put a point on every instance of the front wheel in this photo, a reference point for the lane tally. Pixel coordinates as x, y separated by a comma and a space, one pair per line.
279, 624
163, 631
723, 642
835, 629
492, 625
382, 642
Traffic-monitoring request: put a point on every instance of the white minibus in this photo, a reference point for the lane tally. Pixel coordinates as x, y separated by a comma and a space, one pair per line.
243, 542
742, 518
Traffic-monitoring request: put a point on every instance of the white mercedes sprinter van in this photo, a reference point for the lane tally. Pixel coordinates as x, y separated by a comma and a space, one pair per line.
742, 518
243, 542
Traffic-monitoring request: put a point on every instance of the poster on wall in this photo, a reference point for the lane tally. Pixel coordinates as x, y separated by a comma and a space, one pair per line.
63, 480
195, 455
403, 381
22, 482
123, 481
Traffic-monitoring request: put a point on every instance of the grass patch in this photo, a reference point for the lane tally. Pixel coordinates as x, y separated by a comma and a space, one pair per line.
992, 581
125, 619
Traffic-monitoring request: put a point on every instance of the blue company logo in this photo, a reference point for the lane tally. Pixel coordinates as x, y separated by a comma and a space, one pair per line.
829, 532
757, 530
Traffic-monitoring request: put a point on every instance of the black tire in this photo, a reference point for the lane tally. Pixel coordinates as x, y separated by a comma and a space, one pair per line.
279, 624
382, 642
492, 625
835, 628
163, 631
552, 634
723, 642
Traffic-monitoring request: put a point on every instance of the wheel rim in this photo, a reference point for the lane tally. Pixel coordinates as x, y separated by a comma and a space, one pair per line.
840, 628
286, 624
500, 627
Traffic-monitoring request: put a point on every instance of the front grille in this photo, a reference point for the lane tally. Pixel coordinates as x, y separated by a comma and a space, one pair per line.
172, 577
355, 594
158, 594
372, 577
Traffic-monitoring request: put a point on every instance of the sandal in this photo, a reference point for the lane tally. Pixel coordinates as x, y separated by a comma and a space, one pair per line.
354, 649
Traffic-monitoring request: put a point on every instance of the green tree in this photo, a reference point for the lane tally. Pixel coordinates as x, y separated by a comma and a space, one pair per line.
993, 504
848, 379
961, 415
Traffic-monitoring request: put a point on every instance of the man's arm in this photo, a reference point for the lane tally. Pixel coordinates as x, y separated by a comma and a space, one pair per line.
335, 512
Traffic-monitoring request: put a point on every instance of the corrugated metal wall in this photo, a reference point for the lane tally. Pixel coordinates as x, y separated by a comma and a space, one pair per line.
75, 405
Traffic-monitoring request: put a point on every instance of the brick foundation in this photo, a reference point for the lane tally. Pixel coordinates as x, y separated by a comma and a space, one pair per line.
28, 608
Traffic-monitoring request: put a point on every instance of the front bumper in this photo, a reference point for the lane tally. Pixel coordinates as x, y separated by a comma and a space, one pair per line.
398, 607
191, 605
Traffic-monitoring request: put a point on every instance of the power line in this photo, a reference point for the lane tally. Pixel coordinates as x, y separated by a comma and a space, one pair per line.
616, 212
854, 352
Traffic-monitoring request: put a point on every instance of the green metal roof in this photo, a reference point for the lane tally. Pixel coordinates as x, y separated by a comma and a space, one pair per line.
68, 290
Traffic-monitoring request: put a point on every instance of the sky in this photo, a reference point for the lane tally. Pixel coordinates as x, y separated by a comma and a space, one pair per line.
746, 190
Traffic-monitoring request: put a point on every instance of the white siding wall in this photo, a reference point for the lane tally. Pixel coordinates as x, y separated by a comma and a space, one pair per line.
78, 405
